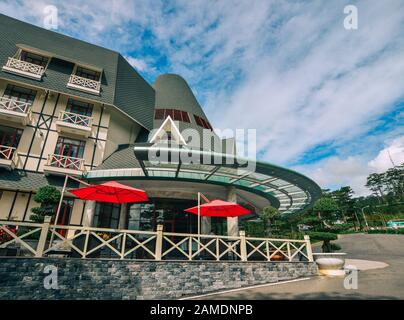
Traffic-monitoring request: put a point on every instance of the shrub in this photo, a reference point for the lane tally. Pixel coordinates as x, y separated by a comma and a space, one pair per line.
4, 236
335, 246
254, 228
386, 231
326, 237
323, 236
47, 197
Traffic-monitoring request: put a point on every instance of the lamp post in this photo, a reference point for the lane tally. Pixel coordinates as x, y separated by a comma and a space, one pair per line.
364, 217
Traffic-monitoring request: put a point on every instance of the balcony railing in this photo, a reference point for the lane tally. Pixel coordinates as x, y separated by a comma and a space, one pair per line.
89, 242
8, 157
6, 152
87, 85
24, 68
14, 105
65, 162
75, 119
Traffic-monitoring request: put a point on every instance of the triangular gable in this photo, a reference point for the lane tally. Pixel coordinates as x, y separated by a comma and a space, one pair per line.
168, 126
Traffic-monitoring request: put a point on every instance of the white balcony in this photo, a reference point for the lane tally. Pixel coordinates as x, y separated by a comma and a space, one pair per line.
61, 165
73, 123
84, 84
14, 110
23, 68
8, 157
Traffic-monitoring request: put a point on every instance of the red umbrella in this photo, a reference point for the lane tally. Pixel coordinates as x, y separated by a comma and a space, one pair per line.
219, 208
111, 192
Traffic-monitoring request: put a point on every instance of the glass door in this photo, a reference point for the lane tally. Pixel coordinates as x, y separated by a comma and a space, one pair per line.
9, 137
64, 215
68, 151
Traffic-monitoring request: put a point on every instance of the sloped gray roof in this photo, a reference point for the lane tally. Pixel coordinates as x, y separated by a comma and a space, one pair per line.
121, 85
172, 91
30, 181
123, 158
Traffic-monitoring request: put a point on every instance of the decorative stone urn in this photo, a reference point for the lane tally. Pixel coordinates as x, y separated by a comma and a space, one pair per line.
330, 264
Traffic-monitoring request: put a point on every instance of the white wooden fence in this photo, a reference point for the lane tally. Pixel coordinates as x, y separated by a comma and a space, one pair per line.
88, 242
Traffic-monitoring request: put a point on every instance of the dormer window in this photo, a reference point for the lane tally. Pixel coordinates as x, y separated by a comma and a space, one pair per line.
34, 58
27, 64
85, 80
88, 74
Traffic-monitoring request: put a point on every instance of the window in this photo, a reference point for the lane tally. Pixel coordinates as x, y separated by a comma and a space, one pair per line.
177, 115
19, 93
9, 137
185, 116
88, 74
78, 107
169, 112
34, 58
202, 122
159, 114
106, 215
198, 121
70, 148
64, 214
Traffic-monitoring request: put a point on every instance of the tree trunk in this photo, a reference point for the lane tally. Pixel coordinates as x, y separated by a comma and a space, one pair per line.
326, 247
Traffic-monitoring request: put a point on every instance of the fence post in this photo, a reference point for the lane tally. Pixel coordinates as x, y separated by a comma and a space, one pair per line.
243, 246
42, 238
308, 248
159, 242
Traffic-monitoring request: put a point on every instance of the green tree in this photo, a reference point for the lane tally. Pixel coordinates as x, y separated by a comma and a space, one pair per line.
346, 204
375, 183
326, 237
267, 215
325, 207
47, 197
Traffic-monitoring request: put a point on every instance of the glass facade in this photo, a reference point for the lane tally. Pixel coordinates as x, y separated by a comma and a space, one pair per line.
145, 216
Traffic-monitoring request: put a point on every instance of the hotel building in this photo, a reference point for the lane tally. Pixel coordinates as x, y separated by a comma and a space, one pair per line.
68, 107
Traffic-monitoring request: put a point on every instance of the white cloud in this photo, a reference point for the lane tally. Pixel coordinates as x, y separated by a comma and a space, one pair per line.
335, 172
288, 69
393, 153
138, 64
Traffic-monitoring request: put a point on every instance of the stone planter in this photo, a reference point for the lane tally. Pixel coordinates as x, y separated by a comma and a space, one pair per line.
330, 264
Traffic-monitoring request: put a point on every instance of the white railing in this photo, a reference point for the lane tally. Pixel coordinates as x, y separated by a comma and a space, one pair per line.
74, 118
25, 66
6, 152
14, 105
84, 83
88, 242
65, 162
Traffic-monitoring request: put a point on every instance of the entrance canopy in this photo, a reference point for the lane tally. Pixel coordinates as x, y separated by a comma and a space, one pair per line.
287, 190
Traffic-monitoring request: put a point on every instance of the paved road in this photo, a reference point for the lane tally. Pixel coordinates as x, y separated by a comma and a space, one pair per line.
387, 283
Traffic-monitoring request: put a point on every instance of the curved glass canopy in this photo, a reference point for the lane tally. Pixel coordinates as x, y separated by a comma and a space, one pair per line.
288, 190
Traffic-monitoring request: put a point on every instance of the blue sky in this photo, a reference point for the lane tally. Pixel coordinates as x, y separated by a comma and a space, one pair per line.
324, 100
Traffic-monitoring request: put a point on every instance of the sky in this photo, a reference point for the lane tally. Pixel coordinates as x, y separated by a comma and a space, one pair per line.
325, 101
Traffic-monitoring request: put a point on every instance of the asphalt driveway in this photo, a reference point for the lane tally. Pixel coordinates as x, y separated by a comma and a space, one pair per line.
386, 283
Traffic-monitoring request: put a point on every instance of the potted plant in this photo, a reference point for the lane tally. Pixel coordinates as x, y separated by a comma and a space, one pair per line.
328, 262
47, 197
4, 238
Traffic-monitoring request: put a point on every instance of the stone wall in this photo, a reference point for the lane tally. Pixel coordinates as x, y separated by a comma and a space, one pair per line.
23, 278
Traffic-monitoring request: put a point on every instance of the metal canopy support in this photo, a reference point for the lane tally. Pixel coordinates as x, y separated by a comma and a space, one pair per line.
178, 169
240, 177
143, 168
212, 173
55, 222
